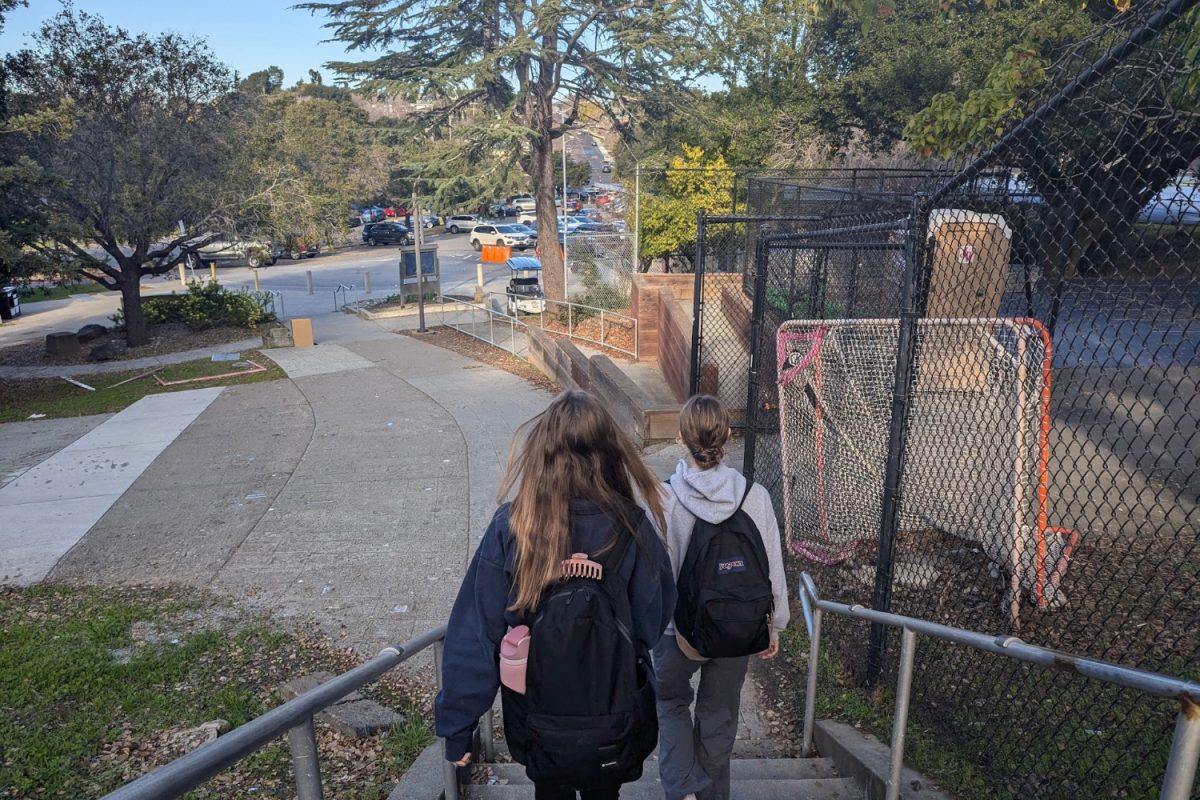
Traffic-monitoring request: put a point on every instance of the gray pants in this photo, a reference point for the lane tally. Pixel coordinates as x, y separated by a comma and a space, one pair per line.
693, 755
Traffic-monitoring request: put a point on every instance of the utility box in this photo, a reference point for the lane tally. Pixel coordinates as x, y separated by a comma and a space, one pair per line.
970, 270
302, 333
10, 303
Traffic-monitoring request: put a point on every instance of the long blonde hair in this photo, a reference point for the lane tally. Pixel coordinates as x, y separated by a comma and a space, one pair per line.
573, 449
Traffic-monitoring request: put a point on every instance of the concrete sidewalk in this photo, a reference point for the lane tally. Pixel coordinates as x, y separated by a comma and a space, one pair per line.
352, 494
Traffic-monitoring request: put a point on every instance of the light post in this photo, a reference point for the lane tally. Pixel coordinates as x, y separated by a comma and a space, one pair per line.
564, 203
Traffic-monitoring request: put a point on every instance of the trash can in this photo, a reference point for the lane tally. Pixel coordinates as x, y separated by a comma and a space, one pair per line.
10, 303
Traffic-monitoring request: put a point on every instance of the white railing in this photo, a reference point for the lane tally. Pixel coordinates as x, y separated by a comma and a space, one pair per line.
509, 332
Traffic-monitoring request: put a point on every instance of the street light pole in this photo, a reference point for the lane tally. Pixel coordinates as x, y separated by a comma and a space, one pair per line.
564, 225
637, 215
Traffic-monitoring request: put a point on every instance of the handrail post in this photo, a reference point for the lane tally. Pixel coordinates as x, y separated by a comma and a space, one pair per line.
1185, 752
908, 645
487, 727
449, 770
306, 767
810, 692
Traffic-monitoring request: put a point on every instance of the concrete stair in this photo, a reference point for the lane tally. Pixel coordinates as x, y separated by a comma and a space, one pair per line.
754, 779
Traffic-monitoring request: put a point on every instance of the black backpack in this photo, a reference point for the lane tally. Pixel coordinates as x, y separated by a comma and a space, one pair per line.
725, 601
588, 717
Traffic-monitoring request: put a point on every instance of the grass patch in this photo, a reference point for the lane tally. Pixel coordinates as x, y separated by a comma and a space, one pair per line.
840, 698
100, 686
36, 294
54, 397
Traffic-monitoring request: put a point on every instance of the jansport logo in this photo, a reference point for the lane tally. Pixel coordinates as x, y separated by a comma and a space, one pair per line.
731, 565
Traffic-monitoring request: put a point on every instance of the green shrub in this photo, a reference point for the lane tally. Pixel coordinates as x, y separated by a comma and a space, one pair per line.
205, 305
604, 296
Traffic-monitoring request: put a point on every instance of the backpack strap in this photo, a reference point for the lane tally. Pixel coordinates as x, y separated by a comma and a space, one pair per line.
749, 486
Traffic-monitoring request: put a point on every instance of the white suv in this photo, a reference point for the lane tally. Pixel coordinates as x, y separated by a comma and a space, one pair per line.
517, 236
524, 202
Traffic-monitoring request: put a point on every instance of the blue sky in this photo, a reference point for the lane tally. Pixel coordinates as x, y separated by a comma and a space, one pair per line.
248, 35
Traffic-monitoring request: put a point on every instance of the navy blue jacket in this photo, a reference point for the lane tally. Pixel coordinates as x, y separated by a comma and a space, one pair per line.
470, 670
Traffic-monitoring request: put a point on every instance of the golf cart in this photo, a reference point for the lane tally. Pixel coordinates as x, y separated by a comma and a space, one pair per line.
524, 286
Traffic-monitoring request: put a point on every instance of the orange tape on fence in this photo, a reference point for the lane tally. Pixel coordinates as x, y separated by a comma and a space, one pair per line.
495, 254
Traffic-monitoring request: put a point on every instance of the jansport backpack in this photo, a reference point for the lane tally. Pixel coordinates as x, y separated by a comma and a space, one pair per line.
587, 717
725, 601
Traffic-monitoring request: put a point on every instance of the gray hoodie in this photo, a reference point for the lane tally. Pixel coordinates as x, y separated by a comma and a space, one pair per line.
713, 495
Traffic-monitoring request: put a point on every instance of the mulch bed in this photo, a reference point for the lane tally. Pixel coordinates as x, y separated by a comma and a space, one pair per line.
484, 353
167, 338
616, 334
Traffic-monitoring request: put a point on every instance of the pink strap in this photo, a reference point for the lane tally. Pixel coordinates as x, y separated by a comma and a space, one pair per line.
782, 342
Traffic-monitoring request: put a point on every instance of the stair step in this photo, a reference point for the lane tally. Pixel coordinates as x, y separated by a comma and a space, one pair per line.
741, 769
782, 789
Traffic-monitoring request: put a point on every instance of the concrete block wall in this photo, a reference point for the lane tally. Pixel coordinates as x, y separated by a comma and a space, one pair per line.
641, 419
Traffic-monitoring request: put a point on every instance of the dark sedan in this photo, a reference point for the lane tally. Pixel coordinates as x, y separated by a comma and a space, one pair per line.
385, 233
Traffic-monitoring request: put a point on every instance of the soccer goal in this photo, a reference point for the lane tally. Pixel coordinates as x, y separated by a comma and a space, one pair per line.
975, 452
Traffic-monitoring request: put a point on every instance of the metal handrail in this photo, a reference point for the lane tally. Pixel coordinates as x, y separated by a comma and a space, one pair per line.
1185, 745
294, 717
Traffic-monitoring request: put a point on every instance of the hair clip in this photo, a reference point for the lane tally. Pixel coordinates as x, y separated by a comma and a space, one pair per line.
580, 566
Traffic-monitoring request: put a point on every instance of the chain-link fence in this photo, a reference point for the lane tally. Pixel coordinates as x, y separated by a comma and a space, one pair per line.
985, 413
600, 260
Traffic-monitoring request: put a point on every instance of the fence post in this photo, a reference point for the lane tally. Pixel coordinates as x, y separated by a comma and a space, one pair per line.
602, 326
570, 318
889, 517
212, 271
308, 279
697, 305
255, 273
302, 741
367, 282
637, 216
762, 253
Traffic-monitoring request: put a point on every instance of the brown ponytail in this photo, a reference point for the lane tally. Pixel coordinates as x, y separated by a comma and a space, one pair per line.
704, 428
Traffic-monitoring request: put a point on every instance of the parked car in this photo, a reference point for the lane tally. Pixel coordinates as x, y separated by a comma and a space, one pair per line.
606, 168
527, 218
430, 221
524, 202
253, 252
385, 233
372, 214
391, 212
355, 221
459, 223
517, 236
296, 248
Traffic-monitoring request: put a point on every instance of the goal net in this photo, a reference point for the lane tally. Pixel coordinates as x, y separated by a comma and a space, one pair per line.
975, 451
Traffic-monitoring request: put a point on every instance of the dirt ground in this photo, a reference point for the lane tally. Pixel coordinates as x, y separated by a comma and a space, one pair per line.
167, 338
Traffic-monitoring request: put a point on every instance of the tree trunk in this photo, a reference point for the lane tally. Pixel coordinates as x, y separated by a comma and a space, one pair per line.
136, 332
554, 279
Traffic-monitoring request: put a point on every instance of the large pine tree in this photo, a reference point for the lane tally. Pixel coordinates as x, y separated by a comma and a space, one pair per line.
520, 71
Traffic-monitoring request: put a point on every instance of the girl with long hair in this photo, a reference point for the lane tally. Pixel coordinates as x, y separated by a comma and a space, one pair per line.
694, 752
578, 487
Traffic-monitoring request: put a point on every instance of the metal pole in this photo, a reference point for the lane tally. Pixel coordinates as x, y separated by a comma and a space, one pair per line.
908, 645
810, 691
212, 271
449, 771
637, 217
761, 255
255, 273
417, 232
308, 277
564, 214
488, 729
697, 306
889, 518
602, 326
1185, 752
302, 741
367, 282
